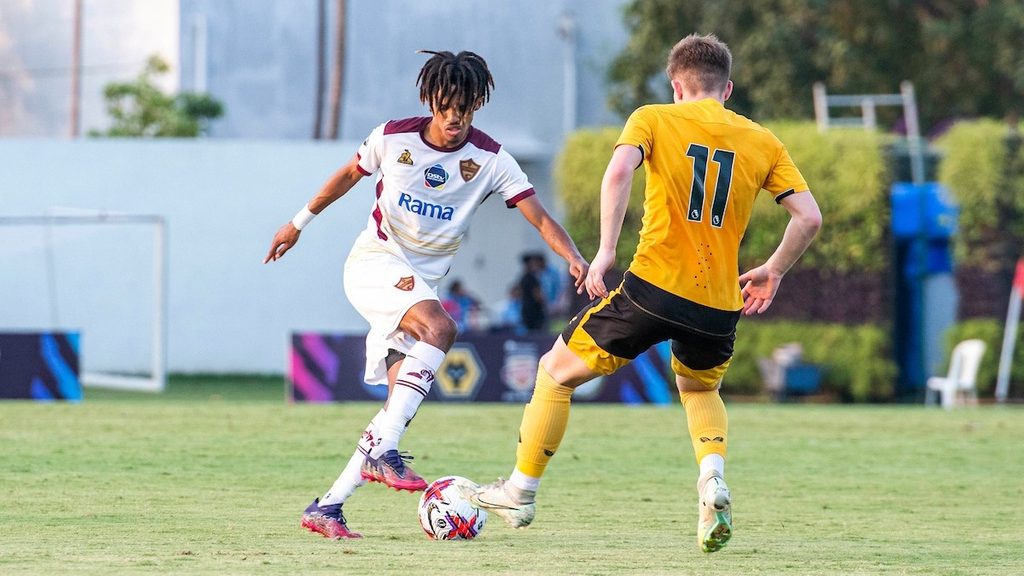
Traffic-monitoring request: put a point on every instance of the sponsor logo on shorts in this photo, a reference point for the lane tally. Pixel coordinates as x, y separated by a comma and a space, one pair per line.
405, 158
422, 208
406, 283
435, 177
468, 169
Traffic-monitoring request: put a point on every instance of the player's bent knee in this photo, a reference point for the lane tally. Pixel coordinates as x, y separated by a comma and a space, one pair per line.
565, 367
684, 384
447, 331
441, 332
428, 322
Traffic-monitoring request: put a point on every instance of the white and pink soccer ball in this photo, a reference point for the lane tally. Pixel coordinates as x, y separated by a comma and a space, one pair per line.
447, 514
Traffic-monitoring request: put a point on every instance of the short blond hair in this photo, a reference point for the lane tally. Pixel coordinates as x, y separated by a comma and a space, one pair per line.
703, 62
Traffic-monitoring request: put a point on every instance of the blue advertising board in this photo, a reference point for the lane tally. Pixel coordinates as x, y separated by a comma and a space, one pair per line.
40, 366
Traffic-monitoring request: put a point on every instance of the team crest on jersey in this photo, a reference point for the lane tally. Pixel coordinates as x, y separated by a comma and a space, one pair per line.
435, 177
405, 158
468, 169
406, 283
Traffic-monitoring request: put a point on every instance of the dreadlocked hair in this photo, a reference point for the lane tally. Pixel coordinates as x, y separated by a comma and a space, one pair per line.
454, 80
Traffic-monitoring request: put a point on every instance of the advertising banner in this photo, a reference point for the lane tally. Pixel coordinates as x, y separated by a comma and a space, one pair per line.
39, 366
480, 367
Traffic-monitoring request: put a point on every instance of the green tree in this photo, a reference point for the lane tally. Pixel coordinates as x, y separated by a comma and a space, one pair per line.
983, 167
963, 56
140, 109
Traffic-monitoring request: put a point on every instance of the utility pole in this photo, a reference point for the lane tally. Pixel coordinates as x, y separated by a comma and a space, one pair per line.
321, 41
567, 31
334, 122
76, 68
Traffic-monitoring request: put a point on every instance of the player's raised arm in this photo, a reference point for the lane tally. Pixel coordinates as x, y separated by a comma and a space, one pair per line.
615, 187
556, 237
336, 186
761, 283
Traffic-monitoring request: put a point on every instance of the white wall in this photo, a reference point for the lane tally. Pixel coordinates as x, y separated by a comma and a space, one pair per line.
223, 201
261, 62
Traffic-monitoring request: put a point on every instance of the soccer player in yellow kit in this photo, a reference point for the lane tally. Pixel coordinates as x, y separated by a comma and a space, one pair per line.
705, 165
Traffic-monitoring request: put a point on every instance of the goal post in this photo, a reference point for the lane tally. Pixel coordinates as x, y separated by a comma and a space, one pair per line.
156, 379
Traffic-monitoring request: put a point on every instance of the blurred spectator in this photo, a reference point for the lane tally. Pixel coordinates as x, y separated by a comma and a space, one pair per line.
531, 293
509, 315
552, 282
462, 306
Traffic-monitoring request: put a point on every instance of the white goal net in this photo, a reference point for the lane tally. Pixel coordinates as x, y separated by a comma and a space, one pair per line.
103, 275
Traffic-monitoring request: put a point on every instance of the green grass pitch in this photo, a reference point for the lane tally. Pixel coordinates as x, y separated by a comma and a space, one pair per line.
211, 478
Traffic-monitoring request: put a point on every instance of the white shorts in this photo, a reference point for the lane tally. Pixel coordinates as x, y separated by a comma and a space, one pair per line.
382, 287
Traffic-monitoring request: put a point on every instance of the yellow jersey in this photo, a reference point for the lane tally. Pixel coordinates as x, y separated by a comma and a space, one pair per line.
705, 165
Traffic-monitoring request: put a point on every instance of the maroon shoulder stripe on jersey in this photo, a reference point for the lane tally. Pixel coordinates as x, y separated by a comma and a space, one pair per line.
511, 202
405, 125
484, 142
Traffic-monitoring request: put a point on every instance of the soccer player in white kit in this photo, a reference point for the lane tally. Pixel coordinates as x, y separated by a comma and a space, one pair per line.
432, 174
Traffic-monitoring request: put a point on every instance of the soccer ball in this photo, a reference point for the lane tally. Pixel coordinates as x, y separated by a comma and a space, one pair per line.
447, 514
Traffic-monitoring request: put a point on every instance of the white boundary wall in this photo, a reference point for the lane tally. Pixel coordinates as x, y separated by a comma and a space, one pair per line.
223, 200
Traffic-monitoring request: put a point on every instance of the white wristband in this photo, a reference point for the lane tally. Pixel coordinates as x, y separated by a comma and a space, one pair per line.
304, 217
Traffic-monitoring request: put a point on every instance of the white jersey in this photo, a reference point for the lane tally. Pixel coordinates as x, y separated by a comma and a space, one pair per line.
426, 195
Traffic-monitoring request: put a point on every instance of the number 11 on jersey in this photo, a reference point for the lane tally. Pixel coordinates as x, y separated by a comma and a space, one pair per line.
725, 160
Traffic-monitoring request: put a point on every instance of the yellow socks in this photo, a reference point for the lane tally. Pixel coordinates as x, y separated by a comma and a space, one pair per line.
544, 422
708, 422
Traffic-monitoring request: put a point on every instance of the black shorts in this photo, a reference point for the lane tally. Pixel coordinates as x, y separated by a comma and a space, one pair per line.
610, 332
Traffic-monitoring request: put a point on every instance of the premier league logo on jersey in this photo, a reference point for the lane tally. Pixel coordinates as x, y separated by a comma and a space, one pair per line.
435, 177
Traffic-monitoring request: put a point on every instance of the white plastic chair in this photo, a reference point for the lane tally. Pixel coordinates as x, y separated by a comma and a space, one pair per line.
963, 374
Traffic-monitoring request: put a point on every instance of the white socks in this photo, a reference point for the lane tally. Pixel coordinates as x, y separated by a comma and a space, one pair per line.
712, 462
415, 376
523, 482
351, 477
